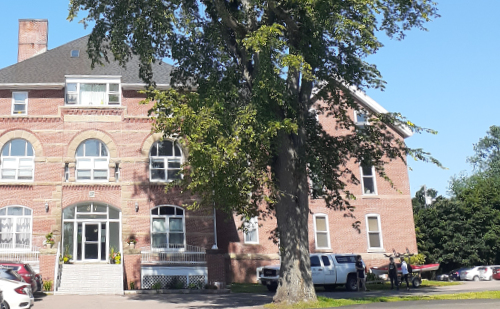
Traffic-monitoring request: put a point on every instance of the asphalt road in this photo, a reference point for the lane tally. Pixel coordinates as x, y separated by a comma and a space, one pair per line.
253, 301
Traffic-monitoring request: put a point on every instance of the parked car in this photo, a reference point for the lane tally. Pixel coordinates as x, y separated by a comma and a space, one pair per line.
471, 273
454, 275
496, 273
27, 272
443, 277
16, 294
328, 270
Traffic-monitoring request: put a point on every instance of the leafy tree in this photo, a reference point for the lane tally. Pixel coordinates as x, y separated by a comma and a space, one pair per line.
487, 151
252, 138
419, 202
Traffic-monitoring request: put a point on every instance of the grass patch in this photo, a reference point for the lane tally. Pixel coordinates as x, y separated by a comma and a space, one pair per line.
248, 288
324, 302
425, 283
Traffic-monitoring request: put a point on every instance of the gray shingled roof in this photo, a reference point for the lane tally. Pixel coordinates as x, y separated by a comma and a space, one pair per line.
54, 64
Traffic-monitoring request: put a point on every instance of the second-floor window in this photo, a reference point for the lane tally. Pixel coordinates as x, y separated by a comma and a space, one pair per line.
93, 94
19, 103
251, 232
92, 161
18, 160
165, 161
368, 180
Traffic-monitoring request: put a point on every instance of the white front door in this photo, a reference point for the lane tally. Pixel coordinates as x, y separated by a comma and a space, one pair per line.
91, 241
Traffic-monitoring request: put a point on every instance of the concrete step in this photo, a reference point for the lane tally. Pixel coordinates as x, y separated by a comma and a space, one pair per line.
89, 279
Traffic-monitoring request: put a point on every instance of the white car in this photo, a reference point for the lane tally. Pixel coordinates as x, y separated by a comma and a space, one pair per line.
16, 294
486, 272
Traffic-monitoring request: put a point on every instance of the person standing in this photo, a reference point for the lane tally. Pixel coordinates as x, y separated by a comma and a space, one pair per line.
360, 270
393, 273
404, 270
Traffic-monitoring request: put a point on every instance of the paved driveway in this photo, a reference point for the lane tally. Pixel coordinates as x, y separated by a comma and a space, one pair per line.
248, 301
174, 301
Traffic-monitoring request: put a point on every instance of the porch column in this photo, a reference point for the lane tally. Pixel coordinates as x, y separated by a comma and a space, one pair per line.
132, 260
47, 260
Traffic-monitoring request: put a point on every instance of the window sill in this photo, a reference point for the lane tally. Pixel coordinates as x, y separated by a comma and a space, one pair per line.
119, 106
376, 250
251, 243
370, 196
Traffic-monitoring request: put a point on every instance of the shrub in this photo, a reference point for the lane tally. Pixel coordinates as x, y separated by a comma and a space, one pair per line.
156, 286
209, 286
176, 284
132, 285
47, 285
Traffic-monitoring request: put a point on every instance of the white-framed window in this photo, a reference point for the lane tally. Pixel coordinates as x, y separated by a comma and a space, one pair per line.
92, 161
251, 231
361, 118
374, 232
321, 231
168, 227
93, 91
18, 161
20, 103
368, 182
165, 161
16, 225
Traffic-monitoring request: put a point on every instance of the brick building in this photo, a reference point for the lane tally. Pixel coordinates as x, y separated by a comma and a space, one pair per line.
79, 160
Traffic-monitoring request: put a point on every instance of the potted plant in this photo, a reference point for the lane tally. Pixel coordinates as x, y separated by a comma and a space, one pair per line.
66, 257
114, 256
131, 241
49, 240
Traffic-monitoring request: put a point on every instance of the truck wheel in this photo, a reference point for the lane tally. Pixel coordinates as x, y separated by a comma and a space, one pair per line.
352, 283
272, 287
329, 287
416, 282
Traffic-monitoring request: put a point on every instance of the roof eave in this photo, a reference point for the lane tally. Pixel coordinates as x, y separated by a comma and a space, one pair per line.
374, 106
30, 86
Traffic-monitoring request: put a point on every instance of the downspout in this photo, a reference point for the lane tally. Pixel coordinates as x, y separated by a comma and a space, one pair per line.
214, 247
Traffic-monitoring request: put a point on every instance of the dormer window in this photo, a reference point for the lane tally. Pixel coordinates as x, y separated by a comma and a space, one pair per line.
92, 92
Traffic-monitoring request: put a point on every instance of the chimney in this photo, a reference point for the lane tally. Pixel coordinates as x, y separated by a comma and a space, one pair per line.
33, 38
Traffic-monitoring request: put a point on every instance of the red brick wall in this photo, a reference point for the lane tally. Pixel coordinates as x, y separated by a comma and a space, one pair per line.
217, 267
132, 270
47, 265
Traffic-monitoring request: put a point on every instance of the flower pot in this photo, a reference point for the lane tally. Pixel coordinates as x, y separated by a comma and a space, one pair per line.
111, 261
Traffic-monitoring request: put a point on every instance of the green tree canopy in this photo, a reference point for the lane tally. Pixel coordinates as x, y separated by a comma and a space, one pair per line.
253, 140
487, 151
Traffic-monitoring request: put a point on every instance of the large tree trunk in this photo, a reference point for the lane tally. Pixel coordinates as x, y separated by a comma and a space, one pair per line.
292, 212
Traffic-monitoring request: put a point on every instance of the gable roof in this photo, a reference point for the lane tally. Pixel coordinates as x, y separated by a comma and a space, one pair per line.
48, 70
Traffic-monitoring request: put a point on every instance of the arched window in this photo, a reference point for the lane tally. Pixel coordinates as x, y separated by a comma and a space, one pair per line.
18, 160
15, 227
92, 161
165, 161
168, 230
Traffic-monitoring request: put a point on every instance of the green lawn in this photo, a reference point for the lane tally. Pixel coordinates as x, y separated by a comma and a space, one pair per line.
324, 302
258, 288
425, 283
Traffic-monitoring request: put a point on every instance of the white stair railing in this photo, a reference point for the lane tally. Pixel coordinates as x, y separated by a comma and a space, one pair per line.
173, 254
57, 269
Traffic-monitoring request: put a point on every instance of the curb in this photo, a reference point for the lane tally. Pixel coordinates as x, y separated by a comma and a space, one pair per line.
181, 291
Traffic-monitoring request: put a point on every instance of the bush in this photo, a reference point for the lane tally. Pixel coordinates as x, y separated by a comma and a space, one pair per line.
156, 286
132, 285
210, 287
418, 259
47, 285
176, 284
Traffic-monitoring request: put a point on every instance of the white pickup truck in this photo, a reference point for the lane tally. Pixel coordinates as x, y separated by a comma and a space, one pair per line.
328, 270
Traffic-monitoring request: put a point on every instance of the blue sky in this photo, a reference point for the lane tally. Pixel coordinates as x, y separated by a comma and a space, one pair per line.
444, 79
